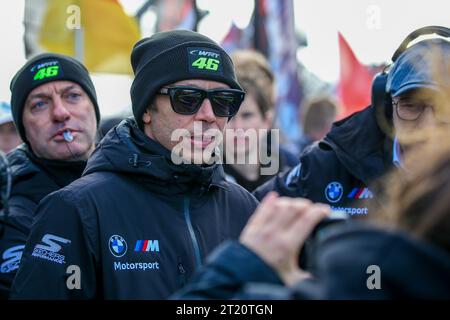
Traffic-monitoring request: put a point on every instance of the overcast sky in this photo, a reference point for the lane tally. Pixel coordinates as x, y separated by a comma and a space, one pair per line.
374, 29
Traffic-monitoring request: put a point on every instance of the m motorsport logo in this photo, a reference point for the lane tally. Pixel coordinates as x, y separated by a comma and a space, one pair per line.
118, 247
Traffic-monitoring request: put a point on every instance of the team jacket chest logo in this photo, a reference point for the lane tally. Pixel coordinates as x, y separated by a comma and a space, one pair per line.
360, 193
334, 191
117, 246
147, 246
50, 248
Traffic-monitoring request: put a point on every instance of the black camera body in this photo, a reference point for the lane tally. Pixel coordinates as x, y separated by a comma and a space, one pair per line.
306, 257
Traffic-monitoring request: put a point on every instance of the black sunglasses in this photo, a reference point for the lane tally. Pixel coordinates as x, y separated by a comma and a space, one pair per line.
187, 100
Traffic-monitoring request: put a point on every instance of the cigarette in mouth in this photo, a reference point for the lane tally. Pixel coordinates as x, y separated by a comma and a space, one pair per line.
68, 136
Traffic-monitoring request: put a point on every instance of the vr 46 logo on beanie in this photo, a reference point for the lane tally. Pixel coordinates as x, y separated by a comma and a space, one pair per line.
204, 60
46, 70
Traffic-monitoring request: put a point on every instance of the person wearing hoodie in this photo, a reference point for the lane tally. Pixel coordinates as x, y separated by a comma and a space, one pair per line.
343, 168
54, 107
152, 202
404, 253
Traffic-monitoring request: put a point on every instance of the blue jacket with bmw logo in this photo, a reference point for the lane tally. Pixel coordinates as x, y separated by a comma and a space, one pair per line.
135, 226
340, 169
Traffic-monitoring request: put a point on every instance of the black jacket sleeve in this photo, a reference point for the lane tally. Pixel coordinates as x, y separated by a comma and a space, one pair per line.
58, 261
226, 273
16, 228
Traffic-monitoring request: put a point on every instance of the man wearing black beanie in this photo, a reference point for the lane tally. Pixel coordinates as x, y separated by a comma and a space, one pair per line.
150, 205
55, 110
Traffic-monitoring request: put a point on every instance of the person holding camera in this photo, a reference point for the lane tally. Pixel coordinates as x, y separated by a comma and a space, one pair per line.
402, 253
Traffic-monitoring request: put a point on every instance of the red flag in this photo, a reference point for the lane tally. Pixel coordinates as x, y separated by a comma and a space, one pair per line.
354, 89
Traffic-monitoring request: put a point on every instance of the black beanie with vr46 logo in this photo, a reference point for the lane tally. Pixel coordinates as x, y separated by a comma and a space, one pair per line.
171, 56
44, 68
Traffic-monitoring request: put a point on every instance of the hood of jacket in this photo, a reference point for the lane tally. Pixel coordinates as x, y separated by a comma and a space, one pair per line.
34, 178
20, 163
127, 150
360, 144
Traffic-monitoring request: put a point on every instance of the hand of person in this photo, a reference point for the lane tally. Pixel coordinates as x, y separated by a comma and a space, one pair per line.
278, 229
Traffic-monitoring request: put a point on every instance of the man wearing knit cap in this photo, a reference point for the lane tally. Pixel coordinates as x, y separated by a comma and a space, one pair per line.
140, 222
54, 107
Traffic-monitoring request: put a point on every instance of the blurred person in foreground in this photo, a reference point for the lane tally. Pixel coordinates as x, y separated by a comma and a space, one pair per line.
404, 253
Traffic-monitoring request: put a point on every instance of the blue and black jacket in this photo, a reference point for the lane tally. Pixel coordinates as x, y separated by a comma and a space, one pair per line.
32, 179
340, 169
136, 225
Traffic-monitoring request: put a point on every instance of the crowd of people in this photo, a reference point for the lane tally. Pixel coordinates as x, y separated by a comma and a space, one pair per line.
195, 196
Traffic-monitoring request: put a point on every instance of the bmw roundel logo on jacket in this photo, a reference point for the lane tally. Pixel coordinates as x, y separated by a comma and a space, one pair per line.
117, 245
352, 201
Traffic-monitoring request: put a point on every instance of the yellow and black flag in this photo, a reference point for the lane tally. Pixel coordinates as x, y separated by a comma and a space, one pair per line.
97, 32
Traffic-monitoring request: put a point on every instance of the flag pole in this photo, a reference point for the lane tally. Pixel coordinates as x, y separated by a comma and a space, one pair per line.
79, 44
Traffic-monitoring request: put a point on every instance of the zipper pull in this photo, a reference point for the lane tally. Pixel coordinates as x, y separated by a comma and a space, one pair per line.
135, 162
182, 274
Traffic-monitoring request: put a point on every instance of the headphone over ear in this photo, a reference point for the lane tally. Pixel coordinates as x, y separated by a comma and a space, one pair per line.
381, 100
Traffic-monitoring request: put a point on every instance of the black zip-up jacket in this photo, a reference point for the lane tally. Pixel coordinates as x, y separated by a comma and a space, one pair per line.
355, 261
32, 180
340, 169
136, 225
